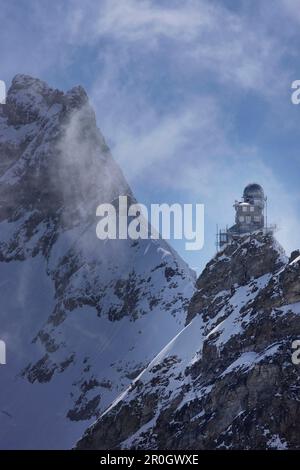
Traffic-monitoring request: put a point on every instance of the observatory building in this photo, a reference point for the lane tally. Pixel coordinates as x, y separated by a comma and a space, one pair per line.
250, 215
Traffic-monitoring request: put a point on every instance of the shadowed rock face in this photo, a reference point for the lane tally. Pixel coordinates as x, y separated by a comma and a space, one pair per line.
55, 165
82, 315
227, 381
239, 262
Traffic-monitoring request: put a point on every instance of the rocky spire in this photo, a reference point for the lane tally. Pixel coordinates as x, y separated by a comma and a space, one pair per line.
227, 381
82, 316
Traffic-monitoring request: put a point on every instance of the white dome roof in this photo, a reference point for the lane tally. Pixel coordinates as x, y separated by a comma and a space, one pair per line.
253, 191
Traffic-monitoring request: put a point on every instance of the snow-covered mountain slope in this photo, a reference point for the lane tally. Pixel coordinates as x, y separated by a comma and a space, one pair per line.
80, 317
227, 380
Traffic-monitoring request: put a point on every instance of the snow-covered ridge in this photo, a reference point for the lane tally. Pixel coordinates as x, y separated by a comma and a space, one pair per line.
227, 379
81, 317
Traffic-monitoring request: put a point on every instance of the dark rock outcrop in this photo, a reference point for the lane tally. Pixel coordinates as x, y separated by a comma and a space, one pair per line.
228, 380
74, 308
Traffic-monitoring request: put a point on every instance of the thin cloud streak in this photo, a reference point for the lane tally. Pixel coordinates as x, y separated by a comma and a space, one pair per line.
160, 73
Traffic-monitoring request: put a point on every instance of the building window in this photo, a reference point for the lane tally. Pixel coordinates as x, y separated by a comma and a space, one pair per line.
241, 218
257, 218
251, 208
248, 219
244, 208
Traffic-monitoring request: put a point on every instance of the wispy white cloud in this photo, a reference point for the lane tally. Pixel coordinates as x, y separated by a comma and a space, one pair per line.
142, 20
238, 48
157, 82
199, 34
190, 149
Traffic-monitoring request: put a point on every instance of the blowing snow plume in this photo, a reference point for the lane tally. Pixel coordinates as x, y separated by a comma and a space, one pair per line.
80, 317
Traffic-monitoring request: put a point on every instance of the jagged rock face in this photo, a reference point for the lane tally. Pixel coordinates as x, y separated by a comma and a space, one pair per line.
227, 380
55, 166
238, 263
80, 316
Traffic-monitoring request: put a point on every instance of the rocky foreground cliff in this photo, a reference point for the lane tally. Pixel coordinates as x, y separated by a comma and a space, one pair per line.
227, 380
81, 317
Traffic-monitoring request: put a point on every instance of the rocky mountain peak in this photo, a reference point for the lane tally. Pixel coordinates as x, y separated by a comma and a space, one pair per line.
30, 100
29, 84
227, 381
76, 97
55, 167
81, 316
245, 258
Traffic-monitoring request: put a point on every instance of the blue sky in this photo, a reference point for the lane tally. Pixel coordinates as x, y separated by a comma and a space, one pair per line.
192, 96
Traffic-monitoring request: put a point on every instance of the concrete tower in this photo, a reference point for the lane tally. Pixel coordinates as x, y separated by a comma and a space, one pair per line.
249, 215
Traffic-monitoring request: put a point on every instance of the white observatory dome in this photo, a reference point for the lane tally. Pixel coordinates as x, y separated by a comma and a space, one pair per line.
253, 192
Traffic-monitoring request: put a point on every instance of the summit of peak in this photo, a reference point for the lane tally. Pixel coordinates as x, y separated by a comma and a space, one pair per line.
246, 258
35, 85
76, 97
29, 99
23, 81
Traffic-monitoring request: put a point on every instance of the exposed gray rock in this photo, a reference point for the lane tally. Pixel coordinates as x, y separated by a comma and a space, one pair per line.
75, 310
227, 381
242, 260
